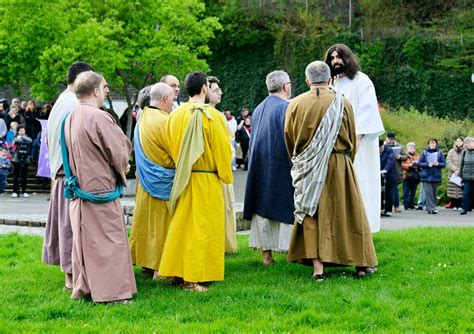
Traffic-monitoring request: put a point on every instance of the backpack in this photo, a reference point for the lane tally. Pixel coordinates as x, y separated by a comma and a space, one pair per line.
23, 151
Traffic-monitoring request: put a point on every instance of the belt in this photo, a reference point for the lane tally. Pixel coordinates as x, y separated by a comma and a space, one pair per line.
204, 171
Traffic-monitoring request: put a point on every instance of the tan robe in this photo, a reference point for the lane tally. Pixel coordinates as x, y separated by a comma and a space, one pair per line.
339, 232
98, 155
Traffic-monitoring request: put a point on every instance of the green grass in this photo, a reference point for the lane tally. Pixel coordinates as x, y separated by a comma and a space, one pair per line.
424, 283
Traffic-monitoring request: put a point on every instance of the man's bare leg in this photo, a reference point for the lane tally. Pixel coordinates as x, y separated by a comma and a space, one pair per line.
267, 257
67, 281
318, 270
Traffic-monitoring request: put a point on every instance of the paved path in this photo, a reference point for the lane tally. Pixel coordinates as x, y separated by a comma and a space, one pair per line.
30, 211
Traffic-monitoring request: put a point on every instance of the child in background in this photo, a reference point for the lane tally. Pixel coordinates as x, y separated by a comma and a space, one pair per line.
5, 166
21, 160
10, 138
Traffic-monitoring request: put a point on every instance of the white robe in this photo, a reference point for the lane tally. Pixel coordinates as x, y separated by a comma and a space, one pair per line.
361, 93
62, 107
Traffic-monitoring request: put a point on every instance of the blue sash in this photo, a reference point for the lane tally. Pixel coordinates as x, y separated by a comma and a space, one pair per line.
71, 184
156, 180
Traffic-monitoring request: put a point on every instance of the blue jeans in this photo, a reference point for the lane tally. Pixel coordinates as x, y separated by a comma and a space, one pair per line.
467, 195
395, 196
409, 191
422, 199
3, 180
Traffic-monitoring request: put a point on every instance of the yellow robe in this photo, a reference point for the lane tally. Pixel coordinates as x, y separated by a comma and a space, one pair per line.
150, 218
194, 248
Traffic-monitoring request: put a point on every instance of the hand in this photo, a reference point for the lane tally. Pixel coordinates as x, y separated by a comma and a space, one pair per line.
456, 172
398, 156
127, 169
430, 165
383, 171
436, 164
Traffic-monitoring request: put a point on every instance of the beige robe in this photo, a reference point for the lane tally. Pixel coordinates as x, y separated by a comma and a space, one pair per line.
98, 155
339, 232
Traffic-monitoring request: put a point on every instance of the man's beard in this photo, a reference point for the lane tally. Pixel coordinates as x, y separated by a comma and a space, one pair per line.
338, 70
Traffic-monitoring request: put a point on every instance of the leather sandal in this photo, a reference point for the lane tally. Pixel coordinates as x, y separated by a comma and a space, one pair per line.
188, 286
318, 278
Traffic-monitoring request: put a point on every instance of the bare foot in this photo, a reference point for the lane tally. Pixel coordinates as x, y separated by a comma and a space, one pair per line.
67, 282
267, 258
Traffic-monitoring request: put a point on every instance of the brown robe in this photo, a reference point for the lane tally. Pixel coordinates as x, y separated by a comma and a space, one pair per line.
98, 155
339, 232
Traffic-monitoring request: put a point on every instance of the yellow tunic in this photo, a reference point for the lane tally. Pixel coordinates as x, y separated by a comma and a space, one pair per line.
194, 248
150, 218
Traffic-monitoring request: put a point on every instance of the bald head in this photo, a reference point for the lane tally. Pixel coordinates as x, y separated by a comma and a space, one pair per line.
90, 86
161, 96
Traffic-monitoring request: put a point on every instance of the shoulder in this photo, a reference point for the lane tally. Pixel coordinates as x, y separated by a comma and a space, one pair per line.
363, 79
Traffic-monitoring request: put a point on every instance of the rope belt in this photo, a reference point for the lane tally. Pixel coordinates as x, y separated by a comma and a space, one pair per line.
71, 184
204, 171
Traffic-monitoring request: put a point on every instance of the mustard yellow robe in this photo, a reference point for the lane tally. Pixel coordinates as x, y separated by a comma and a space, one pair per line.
194, 248
150, 218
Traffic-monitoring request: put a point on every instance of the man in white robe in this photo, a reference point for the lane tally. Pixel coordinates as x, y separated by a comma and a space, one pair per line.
359, 89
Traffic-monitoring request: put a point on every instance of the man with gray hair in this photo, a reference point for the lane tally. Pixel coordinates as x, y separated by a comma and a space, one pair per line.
269, 193
331, 225
173, 82
155, 173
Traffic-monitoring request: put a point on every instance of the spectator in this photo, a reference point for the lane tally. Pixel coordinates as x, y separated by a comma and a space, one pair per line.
467, 174
32, 126
240, 119
10, 137
21, 161
431, 162
243, 137
400, 156
388, 172
14, 116
411, 177
3, 128
232, 123
16, 102
4, 169
453, 161
3, 108
45, 111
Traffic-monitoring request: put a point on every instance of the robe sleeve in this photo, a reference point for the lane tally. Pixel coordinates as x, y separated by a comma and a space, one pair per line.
114, 145
221, 150
289, 130
369, 122
351, 127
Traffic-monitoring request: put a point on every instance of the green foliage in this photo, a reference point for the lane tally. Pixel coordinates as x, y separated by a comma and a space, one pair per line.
133, 43
242, 73
254, 298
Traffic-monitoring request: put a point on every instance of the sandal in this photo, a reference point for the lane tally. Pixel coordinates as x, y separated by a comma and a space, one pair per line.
188, 286
362, 271
318, 278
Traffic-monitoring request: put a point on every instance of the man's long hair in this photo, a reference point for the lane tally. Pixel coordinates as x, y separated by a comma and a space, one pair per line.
350, 60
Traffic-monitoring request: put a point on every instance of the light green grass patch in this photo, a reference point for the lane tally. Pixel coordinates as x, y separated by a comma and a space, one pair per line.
424, 283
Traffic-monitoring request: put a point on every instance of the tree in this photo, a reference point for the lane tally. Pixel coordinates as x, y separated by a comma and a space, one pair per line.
132, 43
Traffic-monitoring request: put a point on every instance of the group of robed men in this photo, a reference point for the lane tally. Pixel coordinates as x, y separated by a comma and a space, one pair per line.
300, 162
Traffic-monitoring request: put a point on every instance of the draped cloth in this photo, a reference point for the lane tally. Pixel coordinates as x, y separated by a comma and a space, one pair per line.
310, 166
155, 179
150, 218
191, 149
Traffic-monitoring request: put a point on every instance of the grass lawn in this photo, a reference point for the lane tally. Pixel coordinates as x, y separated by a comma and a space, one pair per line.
424, 283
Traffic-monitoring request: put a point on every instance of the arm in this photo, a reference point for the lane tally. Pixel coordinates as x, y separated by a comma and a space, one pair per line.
220, 148
422, 162
390, 161
441, 160
463, 156
406, 164
288, 131
449, 160
403, 156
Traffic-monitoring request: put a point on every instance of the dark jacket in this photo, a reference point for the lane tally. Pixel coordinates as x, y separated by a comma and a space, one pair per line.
22, 150
467, 165
387, 162
431, 174
398, 162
